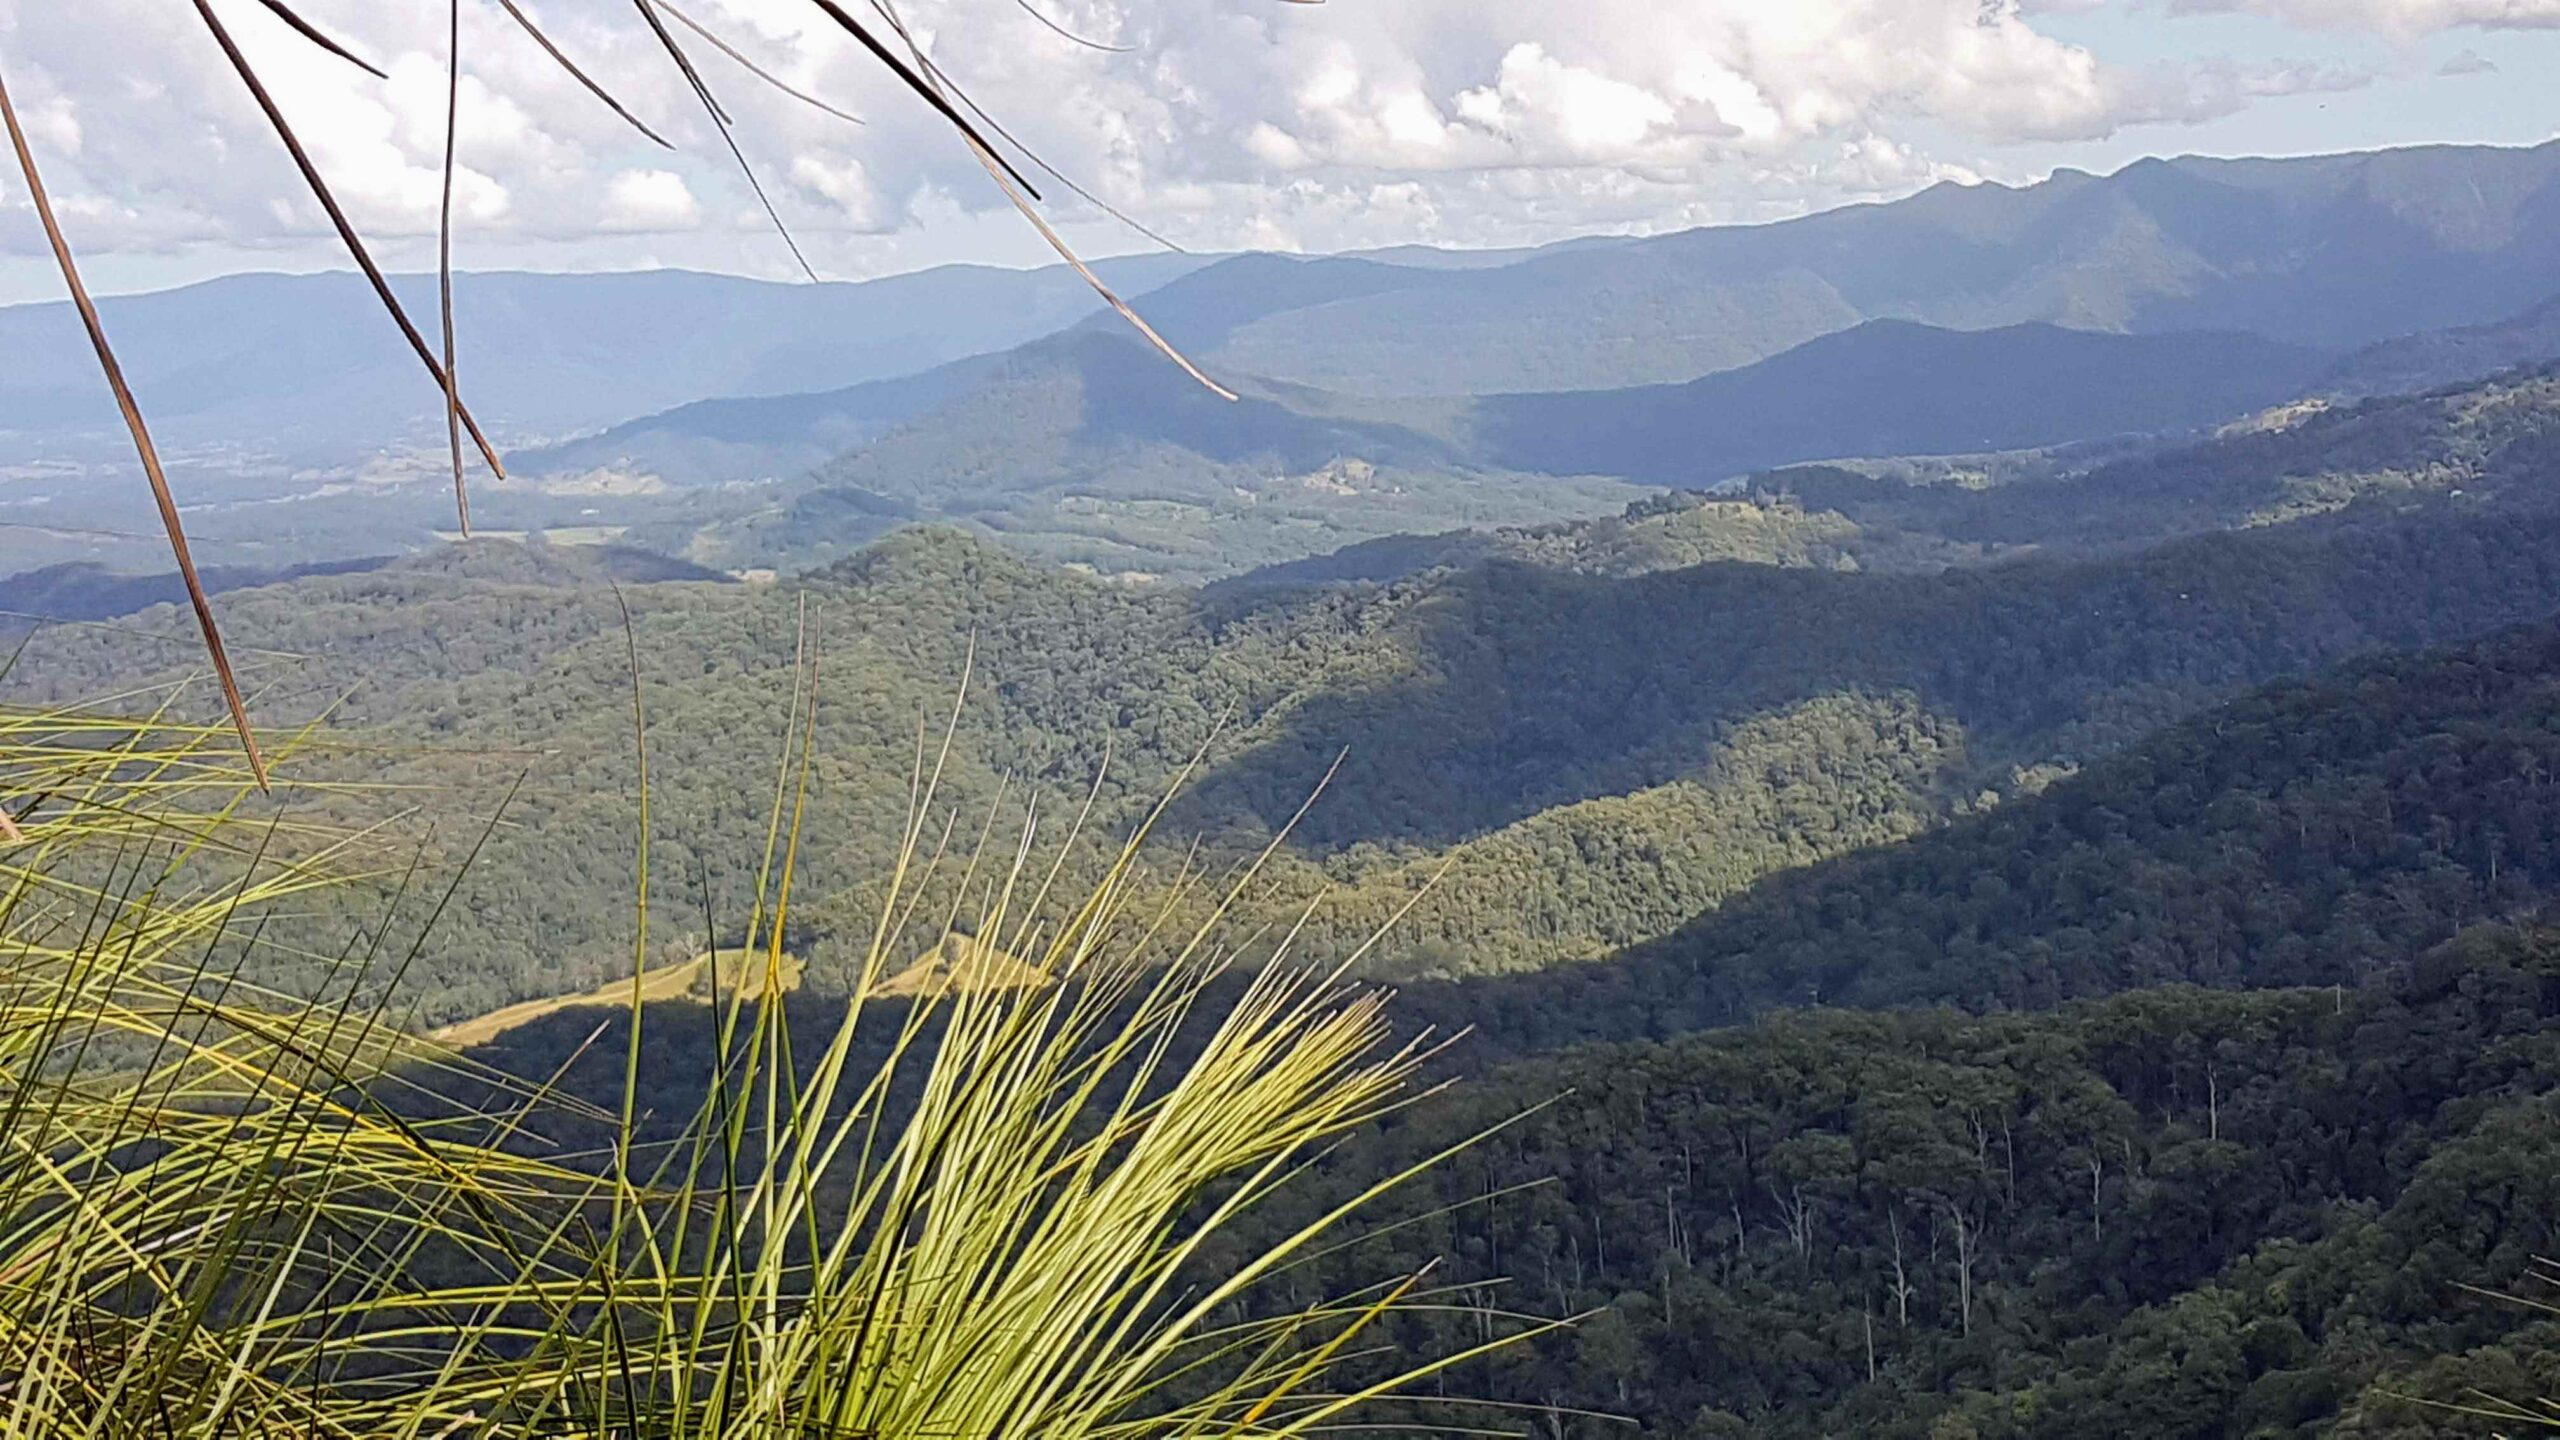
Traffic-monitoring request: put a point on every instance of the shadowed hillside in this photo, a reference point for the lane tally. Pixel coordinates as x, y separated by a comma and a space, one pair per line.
1894, 388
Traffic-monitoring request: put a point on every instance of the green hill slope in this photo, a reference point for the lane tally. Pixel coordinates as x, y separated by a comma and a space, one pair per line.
2304, 834
2494, 442
1596, 749
1599, 758
2174, 1213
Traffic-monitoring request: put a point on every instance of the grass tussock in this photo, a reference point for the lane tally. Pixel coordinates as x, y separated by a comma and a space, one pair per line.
975, 1211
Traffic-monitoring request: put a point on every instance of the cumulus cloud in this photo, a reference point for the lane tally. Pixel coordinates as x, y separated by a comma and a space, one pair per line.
649, 200
1224, 124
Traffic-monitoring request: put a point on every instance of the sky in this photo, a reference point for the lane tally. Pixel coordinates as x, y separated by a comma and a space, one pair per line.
1213, 124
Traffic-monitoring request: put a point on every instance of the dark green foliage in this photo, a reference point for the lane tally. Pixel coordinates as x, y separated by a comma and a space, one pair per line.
2173, 1214
2306, 834
1528, 688
1600, 751
2487, 444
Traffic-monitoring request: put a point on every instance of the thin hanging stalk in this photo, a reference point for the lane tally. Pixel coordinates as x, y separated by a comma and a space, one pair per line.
943, 78
316, 36
720, 121
142, 444
752, 68
338, 218
931, 83
932, 93
1090, 44
444, 265
560, 58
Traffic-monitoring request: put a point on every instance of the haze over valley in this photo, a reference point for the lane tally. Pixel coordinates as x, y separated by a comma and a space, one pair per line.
745, 425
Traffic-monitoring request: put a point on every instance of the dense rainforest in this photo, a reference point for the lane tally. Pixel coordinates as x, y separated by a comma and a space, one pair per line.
2308, 833
2176, 1213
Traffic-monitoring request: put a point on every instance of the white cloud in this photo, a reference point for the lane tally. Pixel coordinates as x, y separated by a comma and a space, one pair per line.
646, 200
1230, 122
840, 182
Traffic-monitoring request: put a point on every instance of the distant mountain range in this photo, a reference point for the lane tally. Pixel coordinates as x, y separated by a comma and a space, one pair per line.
310, 366
1058, 410
2327, 252
2170, 295
1088, 447
757, 437
2331, 252
1393, 391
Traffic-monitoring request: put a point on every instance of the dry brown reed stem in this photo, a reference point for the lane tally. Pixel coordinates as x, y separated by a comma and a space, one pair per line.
444, 266
720, 121
338, 218
559, 58
932, 93
752, 68
142, 444
316, 36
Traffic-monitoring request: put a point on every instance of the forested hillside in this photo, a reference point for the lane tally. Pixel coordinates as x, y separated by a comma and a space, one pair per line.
2309, 833
1595, 758
2485, 444
1934, 820
2176, 1213
2493, 442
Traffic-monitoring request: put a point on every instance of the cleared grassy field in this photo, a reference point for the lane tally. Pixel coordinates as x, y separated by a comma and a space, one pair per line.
690, 979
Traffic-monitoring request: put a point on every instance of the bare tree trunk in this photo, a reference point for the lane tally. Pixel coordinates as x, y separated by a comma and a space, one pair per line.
1901, 1277
1964, 1268
1796, 1213
2097, 1173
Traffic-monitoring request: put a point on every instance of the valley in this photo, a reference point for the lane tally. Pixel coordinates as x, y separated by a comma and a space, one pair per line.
1970, 781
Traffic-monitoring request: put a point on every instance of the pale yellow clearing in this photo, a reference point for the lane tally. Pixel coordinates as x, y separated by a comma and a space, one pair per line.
967, 963
686, 980
957, 962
